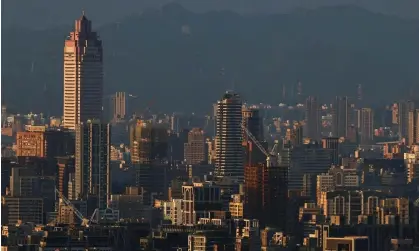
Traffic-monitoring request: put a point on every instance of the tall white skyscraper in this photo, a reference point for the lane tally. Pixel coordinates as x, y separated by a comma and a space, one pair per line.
83, 75
229, 150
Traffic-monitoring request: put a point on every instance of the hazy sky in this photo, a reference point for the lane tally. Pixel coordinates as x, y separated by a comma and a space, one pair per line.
47, 13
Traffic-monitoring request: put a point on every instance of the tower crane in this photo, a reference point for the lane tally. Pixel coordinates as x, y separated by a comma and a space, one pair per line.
271, 158
84, 221
274, 150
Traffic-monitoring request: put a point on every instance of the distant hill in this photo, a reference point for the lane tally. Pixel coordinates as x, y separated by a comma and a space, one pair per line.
184, 61
48, 13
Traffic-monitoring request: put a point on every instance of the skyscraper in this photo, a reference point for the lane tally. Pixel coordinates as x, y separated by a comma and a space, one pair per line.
119, 106
333, 145
194, 152
342, 116
83, 75
92, 167
294, 135
404, 107
266, 189
313, 123
148, 141
307, 159
253, 123
413, 127
229, 151
366, 125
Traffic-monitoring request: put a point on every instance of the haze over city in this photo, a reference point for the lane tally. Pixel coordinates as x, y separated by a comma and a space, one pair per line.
207, 125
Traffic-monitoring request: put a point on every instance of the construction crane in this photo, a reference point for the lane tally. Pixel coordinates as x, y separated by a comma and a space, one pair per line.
275, 149
84, 221
271, 159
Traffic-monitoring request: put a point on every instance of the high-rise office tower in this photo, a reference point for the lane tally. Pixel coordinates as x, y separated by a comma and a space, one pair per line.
413, 127
149, 151
92, 169
313, 123
395, 114
307, 159
294, 135
30, 182
366, 125
148, 141
83, 75
195, 147
266, 191
253, 123
342, 116
119, 104
333, 145
229, 151
404, 107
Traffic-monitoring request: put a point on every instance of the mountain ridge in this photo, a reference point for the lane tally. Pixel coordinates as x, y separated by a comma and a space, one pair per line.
48, 13
185, 60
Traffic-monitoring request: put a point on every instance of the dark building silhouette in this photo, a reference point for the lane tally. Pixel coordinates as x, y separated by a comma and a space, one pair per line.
312, 117
332, 144
366, 125
342, 116
176, 145
253, 123
6, 167
266, 194
404, 107
148, 141
92, 162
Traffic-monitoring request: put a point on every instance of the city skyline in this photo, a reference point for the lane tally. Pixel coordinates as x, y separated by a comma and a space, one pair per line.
301, 176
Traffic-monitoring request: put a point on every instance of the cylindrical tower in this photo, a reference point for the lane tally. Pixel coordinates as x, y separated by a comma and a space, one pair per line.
229, 150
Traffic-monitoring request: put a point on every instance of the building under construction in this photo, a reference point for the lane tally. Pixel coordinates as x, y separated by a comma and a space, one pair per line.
265, 185
266, 194
149, 142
